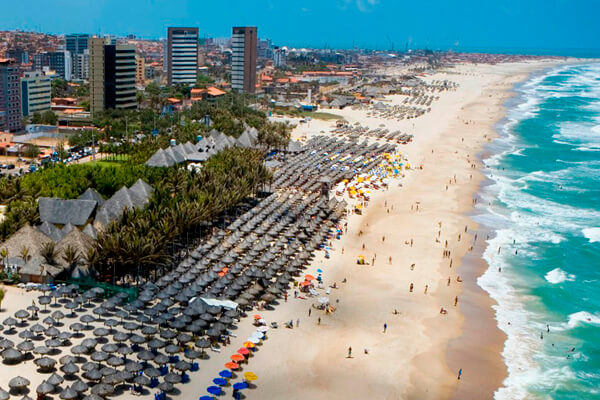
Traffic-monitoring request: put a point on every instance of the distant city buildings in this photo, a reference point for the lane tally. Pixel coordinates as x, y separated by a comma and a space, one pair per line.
279, 57
81, 66
112, 75
35, 93
182, 55
243, 59
58, 61
20, 56
10, 96
140, 67
77, 45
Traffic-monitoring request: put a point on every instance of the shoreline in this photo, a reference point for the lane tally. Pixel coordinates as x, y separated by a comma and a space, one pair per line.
482, 350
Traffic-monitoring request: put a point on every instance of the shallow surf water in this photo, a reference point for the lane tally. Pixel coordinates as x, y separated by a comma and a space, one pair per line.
543, 204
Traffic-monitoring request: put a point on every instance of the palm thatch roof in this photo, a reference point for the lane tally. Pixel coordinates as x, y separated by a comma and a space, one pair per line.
64, 211
28, 237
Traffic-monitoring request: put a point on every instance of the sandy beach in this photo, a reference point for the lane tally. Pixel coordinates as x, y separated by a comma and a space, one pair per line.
421, 352
418, 233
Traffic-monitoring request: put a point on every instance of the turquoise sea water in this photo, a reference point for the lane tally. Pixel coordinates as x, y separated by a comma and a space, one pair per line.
544, 205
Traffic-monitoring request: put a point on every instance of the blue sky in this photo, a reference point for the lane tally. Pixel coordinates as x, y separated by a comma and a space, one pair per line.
459, 24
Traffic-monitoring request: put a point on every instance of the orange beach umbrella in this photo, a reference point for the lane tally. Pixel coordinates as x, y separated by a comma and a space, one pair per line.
237, 357
231, 365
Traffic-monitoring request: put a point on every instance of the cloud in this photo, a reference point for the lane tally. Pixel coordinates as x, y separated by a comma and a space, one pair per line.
362, 5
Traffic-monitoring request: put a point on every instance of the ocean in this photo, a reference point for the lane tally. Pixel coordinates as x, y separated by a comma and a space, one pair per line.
543, 203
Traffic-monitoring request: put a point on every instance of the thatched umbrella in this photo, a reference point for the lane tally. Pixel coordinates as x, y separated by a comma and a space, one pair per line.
67, 359
93, 375
79, 386
55, 379
90, 343
76, 326
166, 386
18, 383
70, 368
133, 367
172, 349
141, 380
124, 350
172, 378
27, 334
152, 372
68, 394
45, 363
182, 366
88, 366
4, 395
137, 339
92, 397
26, 346
42, 350
10, 322
6, 344
145, 355
22, 315
115, 361
99, 356
12, 355
45, 388
102, 389
79, 349
156, 344
110, 348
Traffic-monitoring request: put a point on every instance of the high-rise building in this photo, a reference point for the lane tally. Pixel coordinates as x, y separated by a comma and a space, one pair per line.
35, 92
20, 56
81, 65
58, 61
182, 55
10, 95
140, 66
77, 45
279, 57
243, 59
112, 75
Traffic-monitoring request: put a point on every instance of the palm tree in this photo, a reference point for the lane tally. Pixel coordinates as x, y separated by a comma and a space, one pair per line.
25, 254
70, 256
4, 256
49, 252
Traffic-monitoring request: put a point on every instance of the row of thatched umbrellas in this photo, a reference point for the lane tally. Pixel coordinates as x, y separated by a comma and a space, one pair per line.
337, 159
255, 259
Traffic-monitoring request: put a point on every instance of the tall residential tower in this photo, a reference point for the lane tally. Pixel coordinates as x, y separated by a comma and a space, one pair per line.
243, 59
10, 96
112, 75
182, 55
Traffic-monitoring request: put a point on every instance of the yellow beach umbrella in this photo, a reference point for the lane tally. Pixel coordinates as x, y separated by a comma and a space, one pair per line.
250, 376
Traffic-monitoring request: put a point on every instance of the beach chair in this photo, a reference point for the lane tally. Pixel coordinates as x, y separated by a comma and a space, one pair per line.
215, 349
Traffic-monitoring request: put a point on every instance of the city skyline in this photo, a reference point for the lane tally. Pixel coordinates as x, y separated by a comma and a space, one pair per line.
372, 24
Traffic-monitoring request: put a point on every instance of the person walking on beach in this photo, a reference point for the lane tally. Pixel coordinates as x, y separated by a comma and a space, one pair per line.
319, 321
309, 311
455, 300
383, 239
298, 323
459, 373
350, 352
426, 287
411, 287
384, 327
390, 260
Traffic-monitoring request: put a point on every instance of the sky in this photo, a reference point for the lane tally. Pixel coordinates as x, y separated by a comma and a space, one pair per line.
518, 25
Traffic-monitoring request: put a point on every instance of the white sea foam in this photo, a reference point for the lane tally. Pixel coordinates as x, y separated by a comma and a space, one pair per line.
582, 318
524, 218
592, 234
557, 275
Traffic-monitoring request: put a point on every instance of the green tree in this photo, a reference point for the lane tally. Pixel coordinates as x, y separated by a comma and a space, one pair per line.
2, 294
70, 256
49, 252
59, 87
202, 81
49, 118
36, 118
32, 151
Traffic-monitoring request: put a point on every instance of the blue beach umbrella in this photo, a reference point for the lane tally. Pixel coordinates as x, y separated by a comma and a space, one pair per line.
319, 270
220, 381
225, 374
206, 398
214, 390
240, 385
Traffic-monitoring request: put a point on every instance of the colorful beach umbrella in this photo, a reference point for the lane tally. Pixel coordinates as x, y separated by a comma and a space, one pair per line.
250, 376
231, 365
244, 351
240, 385
225, 373
214, 390
220, 381
237, 357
